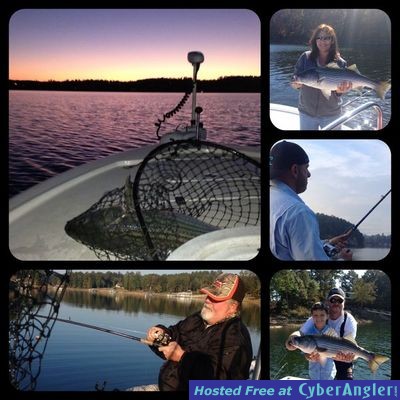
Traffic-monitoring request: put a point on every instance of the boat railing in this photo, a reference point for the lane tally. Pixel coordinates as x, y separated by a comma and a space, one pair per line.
352, 113
255, 373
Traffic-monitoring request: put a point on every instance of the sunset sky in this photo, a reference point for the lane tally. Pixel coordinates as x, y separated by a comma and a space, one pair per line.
131, 44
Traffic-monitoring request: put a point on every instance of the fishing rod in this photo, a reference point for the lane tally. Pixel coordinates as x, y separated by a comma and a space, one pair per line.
331, 250
162, 340
354, 227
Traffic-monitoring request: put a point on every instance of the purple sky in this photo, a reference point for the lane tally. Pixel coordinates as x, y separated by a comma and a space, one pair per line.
131, 44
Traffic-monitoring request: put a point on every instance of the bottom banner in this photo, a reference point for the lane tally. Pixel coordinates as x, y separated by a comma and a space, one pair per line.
293, 389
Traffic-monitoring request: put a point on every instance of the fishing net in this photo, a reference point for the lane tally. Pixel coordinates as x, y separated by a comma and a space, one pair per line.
181, 190
32, 292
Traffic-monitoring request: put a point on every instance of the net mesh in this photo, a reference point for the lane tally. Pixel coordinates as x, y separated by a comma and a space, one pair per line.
32, 292
181, 190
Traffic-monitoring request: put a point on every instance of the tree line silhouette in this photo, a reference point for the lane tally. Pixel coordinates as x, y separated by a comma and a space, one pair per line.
331, 226
293, 292
229, 84
155, 283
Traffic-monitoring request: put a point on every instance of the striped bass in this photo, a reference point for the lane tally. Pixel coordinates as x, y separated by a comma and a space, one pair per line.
328, 346
328, 78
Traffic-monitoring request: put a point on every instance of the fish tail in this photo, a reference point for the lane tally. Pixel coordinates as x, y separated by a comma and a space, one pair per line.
382, 88
376, 361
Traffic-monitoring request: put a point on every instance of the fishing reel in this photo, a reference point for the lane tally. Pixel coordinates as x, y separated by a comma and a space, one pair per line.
162, 339
330, 249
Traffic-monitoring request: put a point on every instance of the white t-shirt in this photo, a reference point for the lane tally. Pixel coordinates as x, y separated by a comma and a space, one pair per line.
350, 327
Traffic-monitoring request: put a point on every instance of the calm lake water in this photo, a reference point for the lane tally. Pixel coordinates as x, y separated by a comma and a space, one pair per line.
373, 62
370, 254
375, 336
50, 132
77, 358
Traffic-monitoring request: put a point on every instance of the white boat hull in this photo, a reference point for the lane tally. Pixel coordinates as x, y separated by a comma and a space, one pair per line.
37, 217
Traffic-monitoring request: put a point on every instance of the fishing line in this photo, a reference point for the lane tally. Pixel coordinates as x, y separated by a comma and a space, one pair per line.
354, 227
285, 354
279, 370
128, 330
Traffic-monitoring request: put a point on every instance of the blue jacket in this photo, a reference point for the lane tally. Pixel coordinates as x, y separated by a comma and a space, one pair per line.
311, 100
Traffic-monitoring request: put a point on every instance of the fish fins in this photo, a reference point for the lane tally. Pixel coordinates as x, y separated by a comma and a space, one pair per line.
382, 89
350, 339
358, 89
331, 332
332, 65
354, 69
376, 361
326, 93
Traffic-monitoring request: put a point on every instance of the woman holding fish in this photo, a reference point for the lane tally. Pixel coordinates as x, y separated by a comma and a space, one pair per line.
316, 108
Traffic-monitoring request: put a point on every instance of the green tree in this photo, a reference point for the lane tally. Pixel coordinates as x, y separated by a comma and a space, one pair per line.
363, 292
347, 280
383, 288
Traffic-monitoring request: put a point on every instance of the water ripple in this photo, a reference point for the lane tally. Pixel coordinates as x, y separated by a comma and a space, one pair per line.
50, 132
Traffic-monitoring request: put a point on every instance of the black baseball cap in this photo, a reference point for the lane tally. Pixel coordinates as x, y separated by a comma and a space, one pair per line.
283, 155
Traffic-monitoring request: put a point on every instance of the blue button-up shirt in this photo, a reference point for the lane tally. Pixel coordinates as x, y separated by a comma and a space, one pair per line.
293, 227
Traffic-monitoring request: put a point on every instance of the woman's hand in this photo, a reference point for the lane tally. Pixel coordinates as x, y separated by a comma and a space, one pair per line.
344, 87
296, 85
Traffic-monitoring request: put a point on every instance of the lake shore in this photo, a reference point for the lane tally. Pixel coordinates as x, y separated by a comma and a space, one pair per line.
280, 321
141, 293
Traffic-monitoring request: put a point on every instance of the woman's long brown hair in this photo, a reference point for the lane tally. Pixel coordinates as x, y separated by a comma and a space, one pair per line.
334, 49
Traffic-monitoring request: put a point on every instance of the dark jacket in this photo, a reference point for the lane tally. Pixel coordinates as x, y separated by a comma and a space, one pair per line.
311, 100
221, 351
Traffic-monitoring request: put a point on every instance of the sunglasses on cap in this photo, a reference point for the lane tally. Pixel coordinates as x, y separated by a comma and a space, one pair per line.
336, 300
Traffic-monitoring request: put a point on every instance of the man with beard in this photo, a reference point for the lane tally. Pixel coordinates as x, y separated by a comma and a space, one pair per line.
210, 344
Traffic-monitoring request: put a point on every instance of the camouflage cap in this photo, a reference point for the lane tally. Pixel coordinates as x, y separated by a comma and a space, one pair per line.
226, 286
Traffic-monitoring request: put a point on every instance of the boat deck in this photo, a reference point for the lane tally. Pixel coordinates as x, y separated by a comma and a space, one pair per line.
37, 217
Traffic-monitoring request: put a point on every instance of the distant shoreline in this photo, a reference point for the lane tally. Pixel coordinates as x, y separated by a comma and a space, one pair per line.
141, 293
228, 84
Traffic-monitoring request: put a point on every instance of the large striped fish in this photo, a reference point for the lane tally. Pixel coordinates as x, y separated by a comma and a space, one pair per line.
328, 78
328, 346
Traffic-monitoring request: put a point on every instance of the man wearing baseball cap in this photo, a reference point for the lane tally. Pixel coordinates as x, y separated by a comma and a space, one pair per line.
344, 325
210, 344
294, 230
